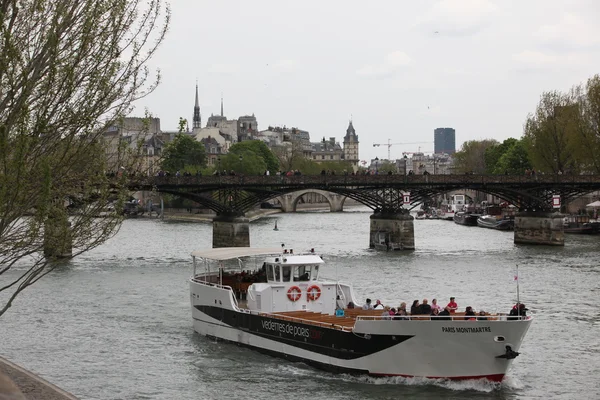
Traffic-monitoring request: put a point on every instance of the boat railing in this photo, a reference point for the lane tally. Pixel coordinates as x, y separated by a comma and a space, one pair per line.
490, 317
206, 283
310, 321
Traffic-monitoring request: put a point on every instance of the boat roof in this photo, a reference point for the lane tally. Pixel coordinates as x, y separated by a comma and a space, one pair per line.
295, 259
228, 253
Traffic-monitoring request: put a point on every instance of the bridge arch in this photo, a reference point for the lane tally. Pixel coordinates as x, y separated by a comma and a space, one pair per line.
289, 201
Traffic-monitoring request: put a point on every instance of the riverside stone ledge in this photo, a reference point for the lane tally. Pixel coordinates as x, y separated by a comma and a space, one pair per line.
16, 383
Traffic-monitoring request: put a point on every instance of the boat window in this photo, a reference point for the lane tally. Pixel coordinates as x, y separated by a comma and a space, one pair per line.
287, 272
269, 273
302, 273
315, 273
277, 273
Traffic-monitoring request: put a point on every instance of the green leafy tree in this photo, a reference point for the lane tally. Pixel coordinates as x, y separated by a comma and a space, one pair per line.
259, 148
243, 162
184, 153
471, 157
587, 139
69, 70
550, 134
494, 153
182, 125
515, 159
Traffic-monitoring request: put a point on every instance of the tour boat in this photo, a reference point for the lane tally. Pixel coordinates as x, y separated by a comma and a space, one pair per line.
279, 305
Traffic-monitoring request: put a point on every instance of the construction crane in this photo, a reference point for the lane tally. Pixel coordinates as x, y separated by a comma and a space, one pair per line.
389, 145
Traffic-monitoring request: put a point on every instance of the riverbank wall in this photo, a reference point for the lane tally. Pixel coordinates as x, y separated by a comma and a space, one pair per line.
17, 383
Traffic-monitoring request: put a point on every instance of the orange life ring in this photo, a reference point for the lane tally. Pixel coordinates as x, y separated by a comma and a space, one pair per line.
313, 292
294, 293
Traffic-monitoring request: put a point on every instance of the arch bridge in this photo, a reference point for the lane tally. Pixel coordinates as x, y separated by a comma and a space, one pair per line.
232, 196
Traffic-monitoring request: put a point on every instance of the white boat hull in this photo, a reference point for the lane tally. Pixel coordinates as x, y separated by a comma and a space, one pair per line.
433, 349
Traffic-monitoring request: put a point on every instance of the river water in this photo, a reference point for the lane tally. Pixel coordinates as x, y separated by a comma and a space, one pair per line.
116, 322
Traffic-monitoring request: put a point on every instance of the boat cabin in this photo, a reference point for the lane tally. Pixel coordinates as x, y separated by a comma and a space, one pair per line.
281, 282
305, 268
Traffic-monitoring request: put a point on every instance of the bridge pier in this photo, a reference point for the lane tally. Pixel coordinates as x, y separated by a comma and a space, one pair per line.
231, 231
392, 231
539, 227
58, 242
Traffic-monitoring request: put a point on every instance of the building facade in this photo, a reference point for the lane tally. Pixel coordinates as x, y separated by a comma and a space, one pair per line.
327, 150
444, 140
351, 145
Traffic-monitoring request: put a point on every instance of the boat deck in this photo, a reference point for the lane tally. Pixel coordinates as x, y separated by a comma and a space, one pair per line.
347, 321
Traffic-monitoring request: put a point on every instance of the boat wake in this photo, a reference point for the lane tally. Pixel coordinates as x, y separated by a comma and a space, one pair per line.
480, 385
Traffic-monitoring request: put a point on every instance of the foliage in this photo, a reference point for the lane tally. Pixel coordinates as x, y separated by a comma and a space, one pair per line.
260, 149
471, 157
386, 166
182, 125
494, 153
587, 138
290, 155
550, 133
515, 160
69, 70
508, 157
243, 162
184, 153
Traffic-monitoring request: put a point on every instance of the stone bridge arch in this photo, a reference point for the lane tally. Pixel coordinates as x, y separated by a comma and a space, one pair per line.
289, 201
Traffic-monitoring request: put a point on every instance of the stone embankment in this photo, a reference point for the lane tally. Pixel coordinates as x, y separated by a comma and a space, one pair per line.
17, 383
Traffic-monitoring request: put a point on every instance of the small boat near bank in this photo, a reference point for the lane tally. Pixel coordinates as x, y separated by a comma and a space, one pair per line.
466, 218
282, 307
495, 222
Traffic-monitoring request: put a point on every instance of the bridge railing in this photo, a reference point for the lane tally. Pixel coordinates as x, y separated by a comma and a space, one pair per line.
359, 180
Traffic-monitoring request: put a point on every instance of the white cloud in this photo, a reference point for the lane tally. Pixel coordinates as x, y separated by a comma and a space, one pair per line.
392, 63
572, 31
458, 17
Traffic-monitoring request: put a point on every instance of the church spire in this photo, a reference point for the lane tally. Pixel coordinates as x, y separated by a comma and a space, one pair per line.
197, 117
221, 104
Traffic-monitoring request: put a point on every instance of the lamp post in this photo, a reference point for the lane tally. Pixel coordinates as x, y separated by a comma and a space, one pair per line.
376, 165
218, 165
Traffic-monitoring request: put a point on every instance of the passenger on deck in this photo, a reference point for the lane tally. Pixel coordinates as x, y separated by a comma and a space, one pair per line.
339, 303
378, 305
435, 305
482, 316
518, 310
414, 309
435, 312
452, 306
444, 315
402, 309
386, 313
368, 305
425, 308
469, 314
350, 305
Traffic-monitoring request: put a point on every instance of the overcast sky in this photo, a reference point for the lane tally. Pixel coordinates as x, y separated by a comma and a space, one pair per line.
399, 68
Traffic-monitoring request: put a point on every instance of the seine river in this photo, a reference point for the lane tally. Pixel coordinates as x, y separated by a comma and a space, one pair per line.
116, 322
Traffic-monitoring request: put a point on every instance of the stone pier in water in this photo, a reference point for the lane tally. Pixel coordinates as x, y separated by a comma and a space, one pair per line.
539, 227
58, 242
231, 231
392, 231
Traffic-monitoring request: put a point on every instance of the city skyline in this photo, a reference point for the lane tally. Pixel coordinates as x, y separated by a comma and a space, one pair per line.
475, 65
